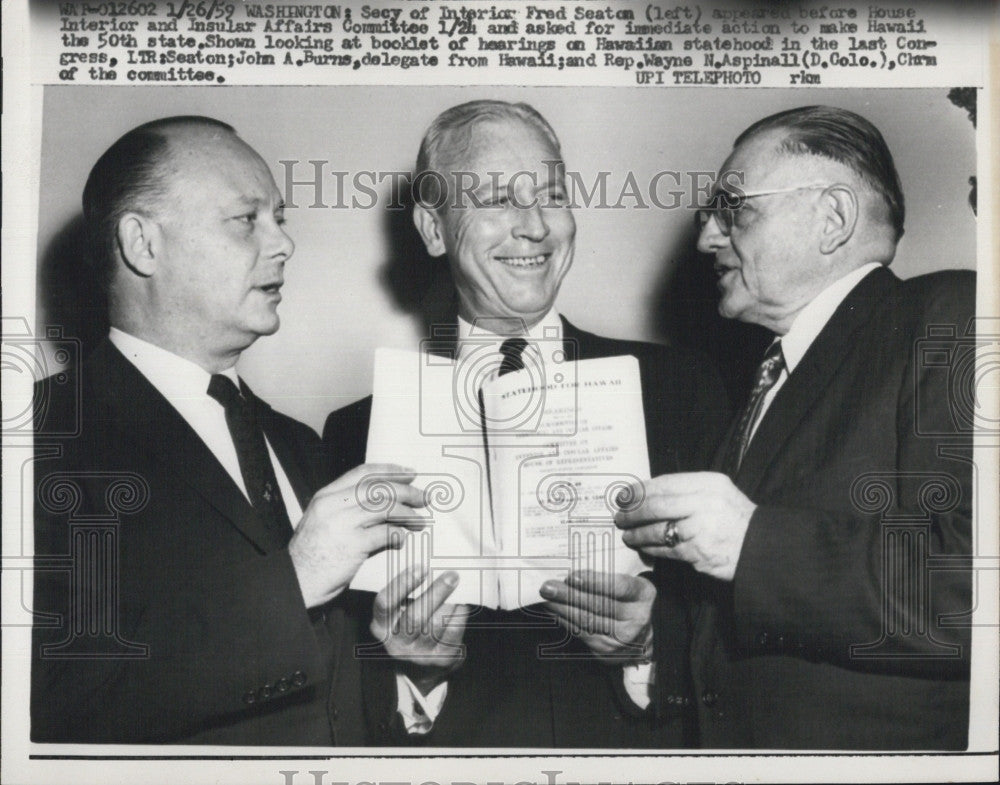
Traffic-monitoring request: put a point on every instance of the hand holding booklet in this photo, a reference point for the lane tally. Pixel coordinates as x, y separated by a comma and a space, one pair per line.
521, 473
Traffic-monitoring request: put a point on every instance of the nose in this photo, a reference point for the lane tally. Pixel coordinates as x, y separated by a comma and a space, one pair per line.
279, 245
530, 223
712, 238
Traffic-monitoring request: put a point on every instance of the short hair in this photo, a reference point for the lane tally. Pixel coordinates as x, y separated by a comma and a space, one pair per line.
453, 128
130, 176
841, 136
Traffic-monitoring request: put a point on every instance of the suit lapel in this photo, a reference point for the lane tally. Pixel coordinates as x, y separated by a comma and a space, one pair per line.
571, 342
721, 453
808, 383
143, 415
575, 341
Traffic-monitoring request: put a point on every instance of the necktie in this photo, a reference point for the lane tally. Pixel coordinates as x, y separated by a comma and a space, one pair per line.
512, 350
767, 376
255, 462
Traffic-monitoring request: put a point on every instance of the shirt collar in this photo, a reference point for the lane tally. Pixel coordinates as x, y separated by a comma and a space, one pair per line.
172, 375
549, 328
811, 320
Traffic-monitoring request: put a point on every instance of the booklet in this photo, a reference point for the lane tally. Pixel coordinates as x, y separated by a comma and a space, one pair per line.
521, 473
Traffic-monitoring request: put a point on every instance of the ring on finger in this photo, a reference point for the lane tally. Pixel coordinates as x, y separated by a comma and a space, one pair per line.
670, 535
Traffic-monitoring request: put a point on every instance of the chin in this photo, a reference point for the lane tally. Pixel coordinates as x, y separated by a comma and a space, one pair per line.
531, 315
266, 326
730, 307
529, 306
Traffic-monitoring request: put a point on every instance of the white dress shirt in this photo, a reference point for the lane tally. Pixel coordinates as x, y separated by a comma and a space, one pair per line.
420, 711
472, 337
185, 385
638, 678
807, 325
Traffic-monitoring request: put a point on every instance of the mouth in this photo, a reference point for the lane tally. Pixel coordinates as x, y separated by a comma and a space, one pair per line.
524, 262
721, 270
273, 289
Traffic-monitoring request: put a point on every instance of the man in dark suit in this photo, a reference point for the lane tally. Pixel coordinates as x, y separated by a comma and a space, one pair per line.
190, 567
834, 537
492, 199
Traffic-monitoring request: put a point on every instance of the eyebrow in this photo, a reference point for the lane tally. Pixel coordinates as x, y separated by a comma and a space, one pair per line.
257, 203
486, 185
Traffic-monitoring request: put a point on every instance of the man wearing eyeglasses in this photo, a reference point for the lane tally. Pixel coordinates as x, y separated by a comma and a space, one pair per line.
833, 537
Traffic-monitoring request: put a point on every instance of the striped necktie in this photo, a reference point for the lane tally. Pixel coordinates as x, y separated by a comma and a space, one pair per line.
767, 376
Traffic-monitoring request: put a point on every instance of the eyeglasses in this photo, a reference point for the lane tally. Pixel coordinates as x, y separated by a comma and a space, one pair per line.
725, 204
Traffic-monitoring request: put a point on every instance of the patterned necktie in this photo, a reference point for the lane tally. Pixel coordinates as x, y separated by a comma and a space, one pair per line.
767, 376
255, 462
513, 360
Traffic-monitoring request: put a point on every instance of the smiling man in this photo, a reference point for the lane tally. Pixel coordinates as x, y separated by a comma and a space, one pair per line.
817, 624
208, 605
508, 236
492, 201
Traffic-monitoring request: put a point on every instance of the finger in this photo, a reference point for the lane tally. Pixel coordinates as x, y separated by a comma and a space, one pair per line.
579, 621
371, 471
616, 585
389, 601
629, 497
597, 605
662, 552
384, 537
606, 645
683, 551
449, 624
404, 515
600, 644
382, 499
562, 595
655, 534
417, 615
661, 508
669, 496
458, 616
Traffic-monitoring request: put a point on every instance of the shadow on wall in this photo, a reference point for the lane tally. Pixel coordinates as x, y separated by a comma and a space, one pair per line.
686, 311
69, 294
420, 284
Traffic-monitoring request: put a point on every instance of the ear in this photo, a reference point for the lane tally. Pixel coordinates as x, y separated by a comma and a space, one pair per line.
429, 225
139, 243
840, 213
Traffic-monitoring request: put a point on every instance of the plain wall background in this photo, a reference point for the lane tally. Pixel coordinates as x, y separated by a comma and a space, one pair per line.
359, 277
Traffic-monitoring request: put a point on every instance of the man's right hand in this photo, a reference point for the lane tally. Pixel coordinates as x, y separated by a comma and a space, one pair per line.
423, 634
366, 510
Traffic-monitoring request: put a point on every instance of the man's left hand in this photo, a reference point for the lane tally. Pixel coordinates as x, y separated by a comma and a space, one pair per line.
709, 514
609, 612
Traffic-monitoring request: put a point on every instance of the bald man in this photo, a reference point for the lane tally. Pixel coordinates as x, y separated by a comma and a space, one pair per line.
190, 569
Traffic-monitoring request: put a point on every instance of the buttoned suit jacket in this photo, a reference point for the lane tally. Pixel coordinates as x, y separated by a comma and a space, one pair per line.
180, 620
506, 695
846, 625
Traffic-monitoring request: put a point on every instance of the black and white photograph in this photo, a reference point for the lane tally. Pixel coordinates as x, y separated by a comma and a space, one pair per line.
498, 432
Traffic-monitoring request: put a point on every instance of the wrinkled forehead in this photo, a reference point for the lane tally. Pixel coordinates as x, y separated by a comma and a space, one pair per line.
505, 145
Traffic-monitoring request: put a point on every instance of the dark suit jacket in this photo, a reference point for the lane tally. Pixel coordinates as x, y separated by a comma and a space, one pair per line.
836, 633
176, 620
505, 694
